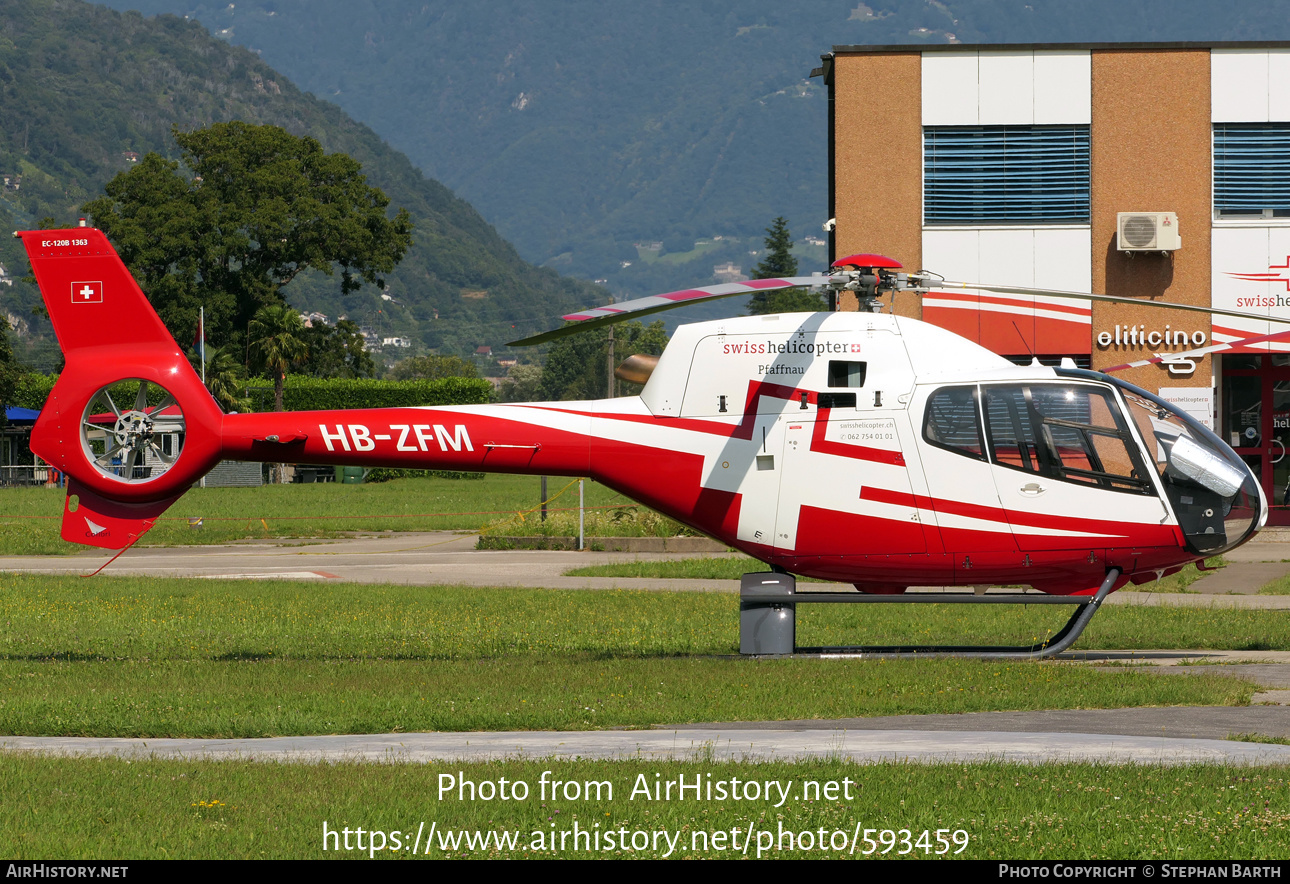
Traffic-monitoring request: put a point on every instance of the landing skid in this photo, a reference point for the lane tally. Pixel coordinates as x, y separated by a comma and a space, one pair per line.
768, 618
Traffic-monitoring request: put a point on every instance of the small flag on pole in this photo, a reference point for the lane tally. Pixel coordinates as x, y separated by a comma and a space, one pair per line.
199, 343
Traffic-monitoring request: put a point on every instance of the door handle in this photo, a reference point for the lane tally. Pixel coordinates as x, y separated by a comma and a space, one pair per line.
1032, 489
1277, 459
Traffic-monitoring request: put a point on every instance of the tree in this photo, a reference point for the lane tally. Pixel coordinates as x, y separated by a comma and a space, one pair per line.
249, 209
337, 351
432, 368
9, 369
523, 384
777, 264
277, 343
576, 365
226, 379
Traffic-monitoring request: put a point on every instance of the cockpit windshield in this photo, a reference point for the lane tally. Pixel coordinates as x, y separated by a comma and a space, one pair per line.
1214, 495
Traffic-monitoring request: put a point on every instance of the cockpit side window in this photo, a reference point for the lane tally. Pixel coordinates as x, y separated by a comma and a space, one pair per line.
1066, 432
953, 422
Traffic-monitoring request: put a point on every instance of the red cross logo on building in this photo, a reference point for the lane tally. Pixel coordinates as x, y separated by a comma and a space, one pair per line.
1276, 273
87, 293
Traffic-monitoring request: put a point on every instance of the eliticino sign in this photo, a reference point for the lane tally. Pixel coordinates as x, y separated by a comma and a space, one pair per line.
1138, 336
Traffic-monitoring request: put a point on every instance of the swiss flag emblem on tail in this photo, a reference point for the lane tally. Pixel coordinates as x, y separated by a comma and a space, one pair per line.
87, 292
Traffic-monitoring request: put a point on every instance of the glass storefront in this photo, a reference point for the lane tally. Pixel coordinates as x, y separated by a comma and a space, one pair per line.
1256, 422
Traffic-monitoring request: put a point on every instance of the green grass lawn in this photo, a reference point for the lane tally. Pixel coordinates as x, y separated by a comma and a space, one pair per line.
120, 656
130, 656
97, 808
29, 522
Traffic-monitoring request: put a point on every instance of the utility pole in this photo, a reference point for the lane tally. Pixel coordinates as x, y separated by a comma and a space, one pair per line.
609, 364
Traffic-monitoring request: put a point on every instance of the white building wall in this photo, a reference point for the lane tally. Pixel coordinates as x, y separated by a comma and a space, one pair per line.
1241, 252
1250, 268
1053, 258
1045, 257
1022, 88
1250, 85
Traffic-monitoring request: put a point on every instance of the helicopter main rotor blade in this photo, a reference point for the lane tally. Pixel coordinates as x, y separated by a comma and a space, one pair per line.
598, 317
925, 283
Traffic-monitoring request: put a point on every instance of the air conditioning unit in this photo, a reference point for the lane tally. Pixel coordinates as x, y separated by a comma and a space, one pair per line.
1147, 232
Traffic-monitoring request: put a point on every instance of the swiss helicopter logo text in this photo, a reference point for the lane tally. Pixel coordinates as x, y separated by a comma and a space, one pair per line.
810, 348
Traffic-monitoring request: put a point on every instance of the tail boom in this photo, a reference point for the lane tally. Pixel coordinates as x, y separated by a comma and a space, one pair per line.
498, 439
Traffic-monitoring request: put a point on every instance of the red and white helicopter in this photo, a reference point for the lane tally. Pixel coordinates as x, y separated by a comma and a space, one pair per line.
860, 447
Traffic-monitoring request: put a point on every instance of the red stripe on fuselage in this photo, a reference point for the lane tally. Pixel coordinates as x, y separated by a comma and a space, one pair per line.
822, 532
1136, 533
744, 429
668, 481
741, 430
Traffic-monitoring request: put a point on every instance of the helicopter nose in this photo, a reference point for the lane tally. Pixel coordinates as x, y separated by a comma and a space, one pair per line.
1264, 508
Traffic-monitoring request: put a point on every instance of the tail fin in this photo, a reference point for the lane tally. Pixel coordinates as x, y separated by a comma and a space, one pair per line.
129, 421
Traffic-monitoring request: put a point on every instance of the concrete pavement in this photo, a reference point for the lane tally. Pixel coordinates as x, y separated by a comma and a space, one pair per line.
784, 741
439, 558
418, 559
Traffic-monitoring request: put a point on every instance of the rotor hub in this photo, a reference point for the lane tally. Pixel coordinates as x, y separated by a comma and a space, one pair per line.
126, 439
133, 429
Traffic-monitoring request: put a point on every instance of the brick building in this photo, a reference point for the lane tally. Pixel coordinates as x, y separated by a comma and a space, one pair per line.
1159, 172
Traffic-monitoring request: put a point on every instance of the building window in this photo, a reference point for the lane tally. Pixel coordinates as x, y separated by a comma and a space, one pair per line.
1251, 170
1005, 175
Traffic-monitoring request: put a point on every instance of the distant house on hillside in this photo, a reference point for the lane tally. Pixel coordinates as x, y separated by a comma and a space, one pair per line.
727, 272
484, 350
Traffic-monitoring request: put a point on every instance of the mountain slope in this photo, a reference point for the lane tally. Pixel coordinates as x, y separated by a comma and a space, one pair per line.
82, 88
580, 128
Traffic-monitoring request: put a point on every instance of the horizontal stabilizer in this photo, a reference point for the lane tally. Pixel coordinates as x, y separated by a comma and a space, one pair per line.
97, 521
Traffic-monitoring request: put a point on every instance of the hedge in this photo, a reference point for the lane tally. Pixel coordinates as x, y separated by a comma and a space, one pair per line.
303, 393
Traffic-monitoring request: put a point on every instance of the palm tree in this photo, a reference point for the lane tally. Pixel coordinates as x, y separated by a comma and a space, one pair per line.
277, 340
276, 335
226, 379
